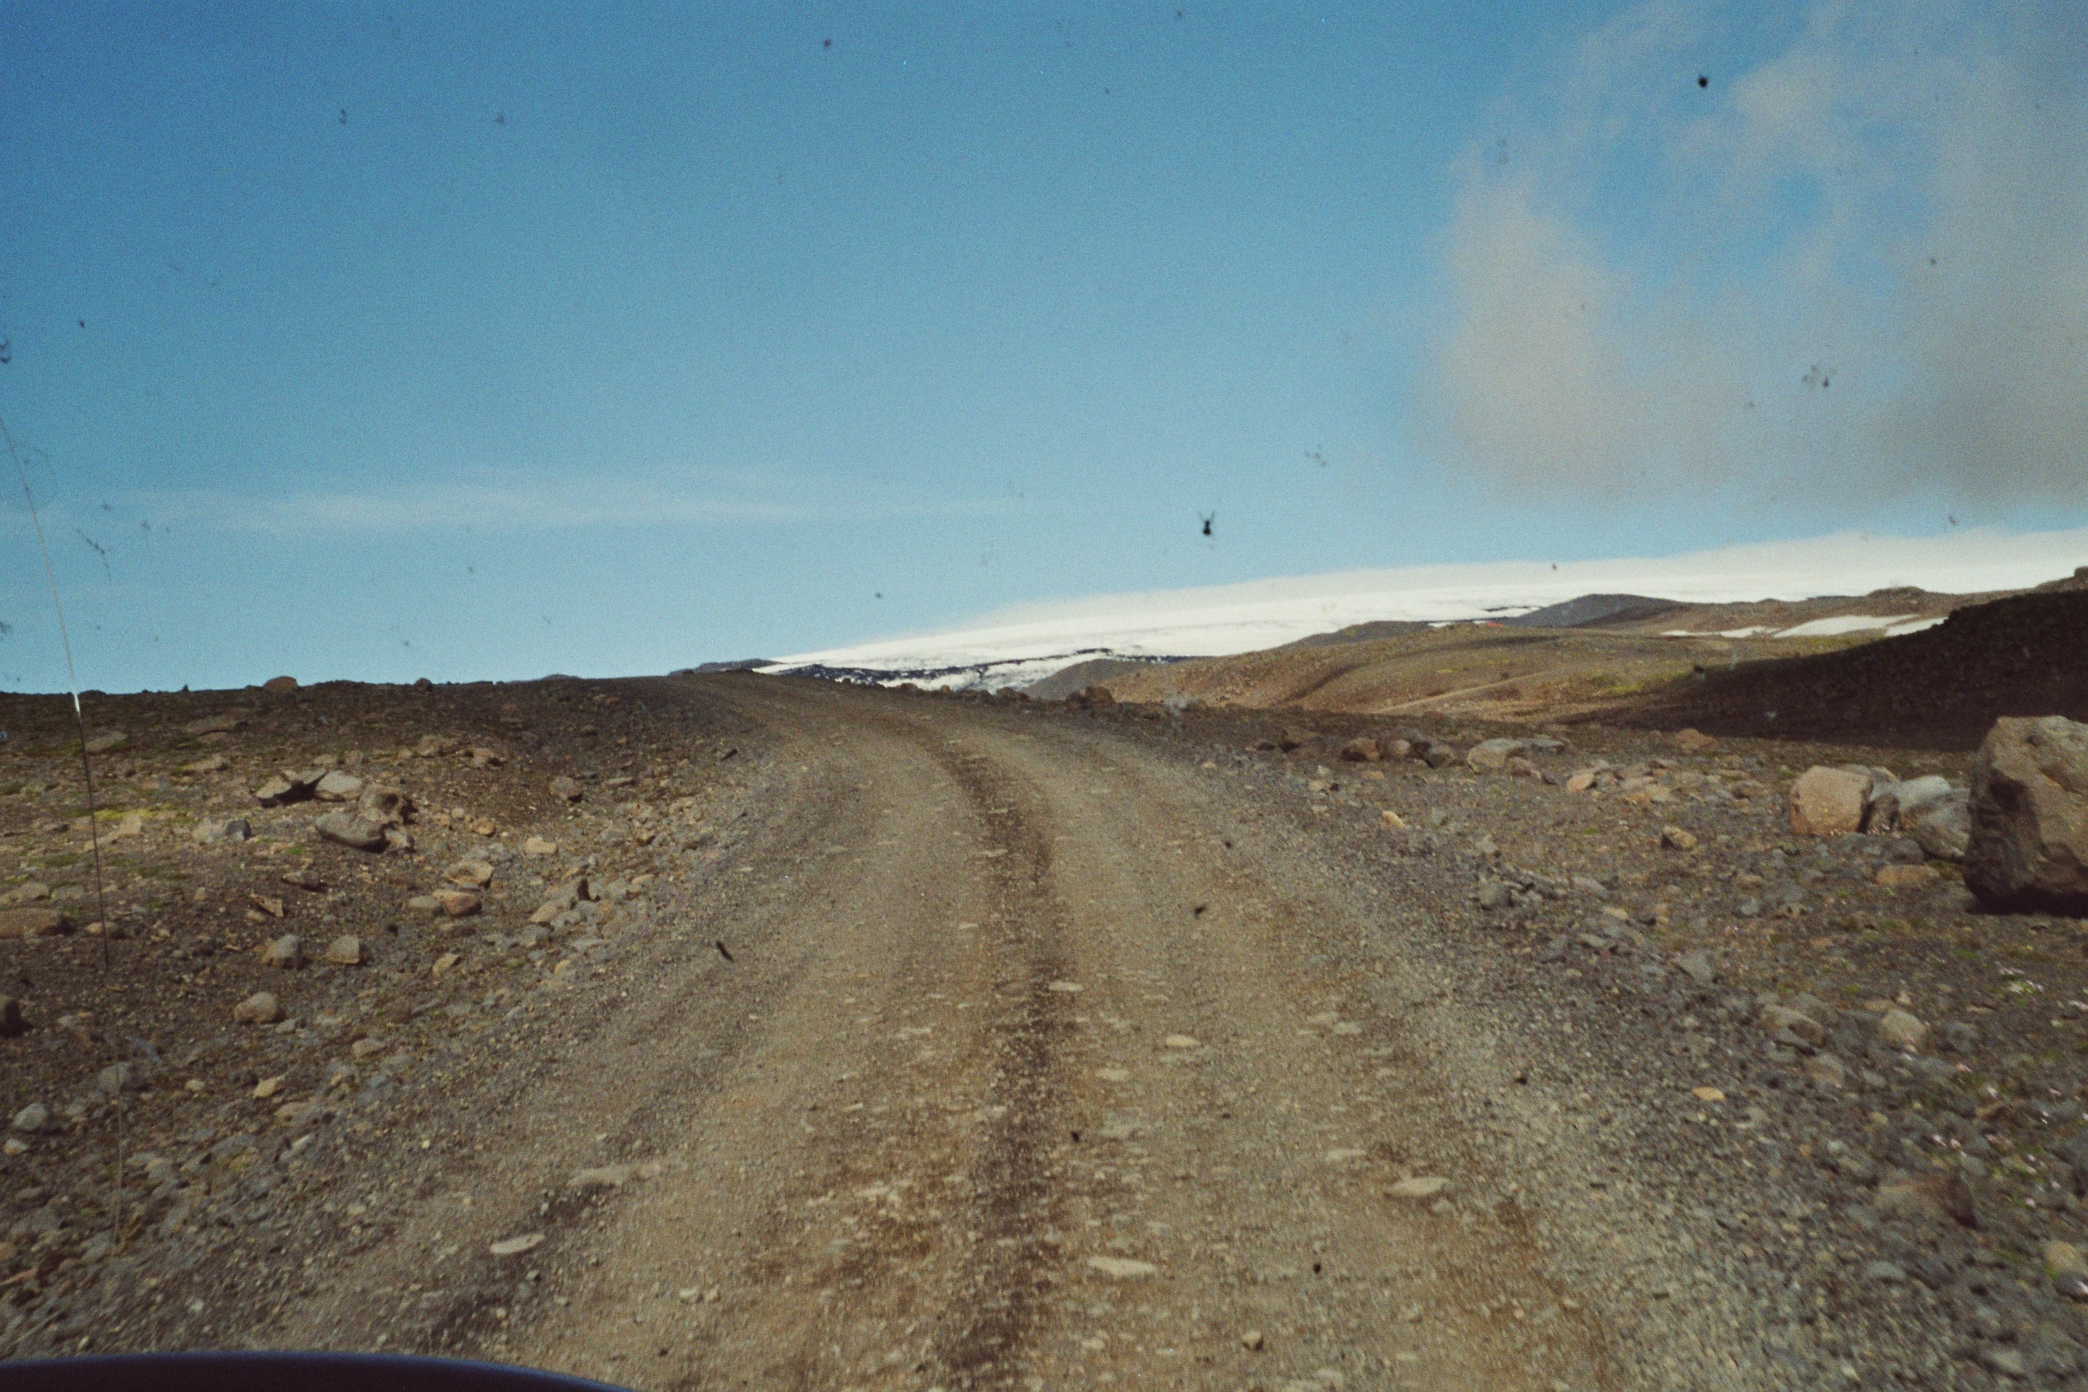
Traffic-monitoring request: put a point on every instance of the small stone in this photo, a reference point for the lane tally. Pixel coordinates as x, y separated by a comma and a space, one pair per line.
445, 962
268, 904
1934, 1198
1901, 1029
337, 786
212, 831
567, 789
1068, 988
366, 1048
538, 846
1697, 964
34, 922
349, 830
1181, 1041
304, 878
1691, 741
34, 1119
1674, 838
1122, 1268
1707, 1094
384, 806
1907, 876
1828, 801
1826, 1070
2064, 1259
1885, 1273
286, 952
472, 874
515, 1246
2006, 1361
269, 1087
1776, 1018
1419, 1188
1252, 1340
258, 1009
280, 686
601, 1177
345, 950
457, 903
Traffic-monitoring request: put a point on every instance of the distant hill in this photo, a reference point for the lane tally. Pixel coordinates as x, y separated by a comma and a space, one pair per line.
1940, 688
1080, 676
1595, 609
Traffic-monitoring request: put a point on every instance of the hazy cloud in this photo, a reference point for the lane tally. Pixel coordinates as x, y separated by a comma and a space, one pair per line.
521, 506
1854, 270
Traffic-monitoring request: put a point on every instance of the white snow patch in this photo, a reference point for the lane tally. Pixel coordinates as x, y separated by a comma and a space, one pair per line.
1026, 642
1842, 623
1897, 630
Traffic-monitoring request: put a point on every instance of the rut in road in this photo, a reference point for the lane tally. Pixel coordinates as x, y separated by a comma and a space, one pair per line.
1033, 1079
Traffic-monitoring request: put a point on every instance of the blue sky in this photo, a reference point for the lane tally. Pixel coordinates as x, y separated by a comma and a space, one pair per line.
386, 341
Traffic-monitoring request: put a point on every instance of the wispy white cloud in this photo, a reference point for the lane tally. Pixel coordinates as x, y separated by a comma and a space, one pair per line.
526, 506
1854, 271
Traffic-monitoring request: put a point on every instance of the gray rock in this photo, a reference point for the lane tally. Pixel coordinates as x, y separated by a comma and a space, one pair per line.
384, 806
123, 1077
210, 831
1697, 963
1829, 801
345, 950
2028, 848
352, 831
1941, 826
286, 952
566, 789
1491, 756
337, 786
258, 1009
1885, 1273
34, 1119
1957, 1037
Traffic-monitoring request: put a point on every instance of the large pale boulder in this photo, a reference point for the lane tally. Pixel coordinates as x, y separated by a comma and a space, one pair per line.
2029, 842
1828, 801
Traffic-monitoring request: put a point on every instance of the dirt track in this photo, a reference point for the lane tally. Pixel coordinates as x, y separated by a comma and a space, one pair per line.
1007, 998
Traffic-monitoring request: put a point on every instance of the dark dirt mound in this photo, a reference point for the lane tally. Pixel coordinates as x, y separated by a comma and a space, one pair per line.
1941, 688
1591, 609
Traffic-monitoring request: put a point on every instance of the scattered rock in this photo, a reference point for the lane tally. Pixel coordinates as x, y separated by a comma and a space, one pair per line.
1420, 1187
1674, 838
122, 1077
1252, 1340
487, 758
472, 874
269, 1087
34, 922
604, 1177
1780, 1019
304, 878
336, 786
286, 952
345, 951
2028, 848
1907, 876
2065, 1259
1692, 741
458, 903
212, 831
515, 1246
567, 789
280, 686
216, 763
349, 830
1901, 1029
1491, 756
1941, 826
1928, 1198
35, 1119
1181, 1041
1122, 1268
258, 1009
1362, 750
1828, 801
384, 806
1826, 1070
538, 846
283, 789
1698, 965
